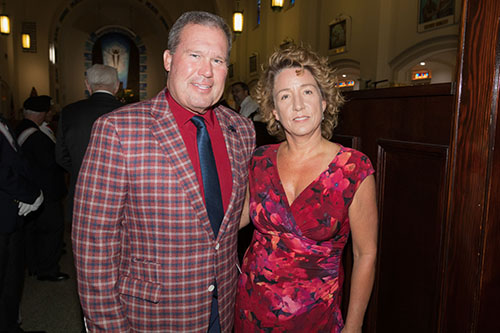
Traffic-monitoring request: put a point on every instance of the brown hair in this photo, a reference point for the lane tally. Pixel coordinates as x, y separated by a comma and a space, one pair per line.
300, 57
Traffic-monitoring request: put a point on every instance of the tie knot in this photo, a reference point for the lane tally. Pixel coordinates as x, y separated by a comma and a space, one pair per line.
198, 121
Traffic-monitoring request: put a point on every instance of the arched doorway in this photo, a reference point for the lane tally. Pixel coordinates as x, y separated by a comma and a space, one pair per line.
116, 49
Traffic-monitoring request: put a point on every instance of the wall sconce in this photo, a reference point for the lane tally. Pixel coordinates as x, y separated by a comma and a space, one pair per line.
4, 24
4, 21
276, 5
26, 41
237, 22
52, 53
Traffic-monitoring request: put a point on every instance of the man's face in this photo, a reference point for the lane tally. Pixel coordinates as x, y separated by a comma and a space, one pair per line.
198, 68
239, 94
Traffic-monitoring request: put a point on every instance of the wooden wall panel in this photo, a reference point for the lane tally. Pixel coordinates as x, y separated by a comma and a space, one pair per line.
412, 185
412, 127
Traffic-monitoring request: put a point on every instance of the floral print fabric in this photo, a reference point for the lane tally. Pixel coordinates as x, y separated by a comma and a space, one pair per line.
292, 274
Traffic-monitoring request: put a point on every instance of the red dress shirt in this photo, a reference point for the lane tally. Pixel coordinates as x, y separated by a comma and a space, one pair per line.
188, 133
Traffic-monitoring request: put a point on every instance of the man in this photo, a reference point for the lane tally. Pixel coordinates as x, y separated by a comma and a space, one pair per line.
244, 102
19, 196
76, 120
249, 108
45, 230
151, 253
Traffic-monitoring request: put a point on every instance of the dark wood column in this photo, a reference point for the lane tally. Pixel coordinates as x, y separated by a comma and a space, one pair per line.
471, 293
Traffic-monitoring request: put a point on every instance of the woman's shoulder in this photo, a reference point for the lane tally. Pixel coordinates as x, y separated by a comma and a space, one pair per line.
349, 156
266, 149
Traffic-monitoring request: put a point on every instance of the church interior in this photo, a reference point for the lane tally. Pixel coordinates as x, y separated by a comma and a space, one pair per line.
420, 78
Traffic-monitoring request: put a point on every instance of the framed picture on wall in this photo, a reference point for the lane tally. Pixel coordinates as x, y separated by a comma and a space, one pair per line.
252, 63
339, 35
434, 14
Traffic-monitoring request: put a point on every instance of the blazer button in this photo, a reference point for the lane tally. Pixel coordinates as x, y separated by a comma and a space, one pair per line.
211, 288
217, 246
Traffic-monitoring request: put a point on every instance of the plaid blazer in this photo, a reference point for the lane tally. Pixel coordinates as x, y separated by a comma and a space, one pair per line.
145, 252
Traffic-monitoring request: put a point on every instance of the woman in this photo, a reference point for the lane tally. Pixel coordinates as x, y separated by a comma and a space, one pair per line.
305, 196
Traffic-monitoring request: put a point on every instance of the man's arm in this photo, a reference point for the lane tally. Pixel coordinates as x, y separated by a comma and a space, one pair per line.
12, 180
97, 215
62, 153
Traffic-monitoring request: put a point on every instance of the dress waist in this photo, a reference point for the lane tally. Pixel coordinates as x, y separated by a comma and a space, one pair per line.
285, 253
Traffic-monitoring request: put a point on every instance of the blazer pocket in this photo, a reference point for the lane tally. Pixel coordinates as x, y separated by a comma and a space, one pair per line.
145, 290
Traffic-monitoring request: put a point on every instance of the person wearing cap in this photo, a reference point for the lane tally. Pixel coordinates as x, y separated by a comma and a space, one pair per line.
45, 227
19, 195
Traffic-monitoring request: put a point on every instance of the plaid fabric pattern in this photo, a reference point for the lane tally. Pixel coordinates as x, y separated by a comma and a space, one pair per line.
144, 249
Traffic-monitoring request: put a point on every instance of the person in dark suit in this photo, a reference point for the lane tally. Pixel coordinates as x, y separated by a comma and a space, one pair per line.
45, 228
76, 120
19, 196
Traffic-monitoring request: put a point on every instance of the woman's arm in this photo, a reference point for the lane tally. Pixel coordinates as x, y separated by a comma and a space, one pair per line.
364, 226
245, 213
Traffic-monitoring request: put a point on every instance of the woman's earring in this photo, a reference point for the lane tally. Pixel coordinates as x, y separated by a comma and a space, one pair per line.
322, 117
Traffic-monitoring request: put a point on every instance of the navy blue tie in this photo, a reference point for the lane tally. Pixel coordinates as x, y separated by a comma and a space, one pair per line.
213, 197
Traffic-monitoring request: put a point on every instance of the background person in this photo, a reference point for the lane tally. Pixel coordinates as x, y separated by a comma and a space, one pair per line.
19, 196
245, 104
45, 230
154, 228
247, 107
76, 120
305, 196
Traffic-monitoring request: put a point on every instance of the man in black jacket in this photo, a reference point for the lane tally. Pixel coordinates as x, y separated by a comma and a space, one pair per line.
19, 196
45, 230
76, 120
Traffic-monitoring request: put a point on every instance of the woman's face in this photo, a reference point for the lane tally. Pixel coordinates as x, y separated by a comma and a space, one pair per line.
298, 103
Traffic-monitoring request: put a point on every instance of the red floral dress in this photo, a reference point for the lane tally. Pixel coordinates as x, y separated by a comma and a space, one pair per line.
292, 274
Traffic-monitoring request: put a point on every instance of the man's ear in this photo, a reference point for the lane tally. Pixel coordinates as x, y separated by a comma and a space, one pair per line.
117, 87
87, 85
167, 60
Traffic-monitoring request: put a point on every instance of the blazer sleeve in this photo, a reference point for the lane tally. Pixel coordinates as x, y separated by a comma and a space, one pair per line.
98, 213
63, 157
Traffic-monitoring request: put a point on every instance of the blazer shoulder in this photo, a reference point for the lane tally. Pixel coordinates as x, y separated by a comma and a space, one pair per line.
231, 116
129, 116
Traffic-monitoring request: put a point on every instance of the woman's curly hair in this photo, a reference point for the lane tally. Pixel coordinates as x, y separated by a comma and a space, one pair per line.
299, 57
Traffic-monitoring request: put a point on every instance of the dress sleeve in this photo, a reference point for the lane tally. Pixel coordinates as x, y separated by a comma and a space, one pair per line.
364, 167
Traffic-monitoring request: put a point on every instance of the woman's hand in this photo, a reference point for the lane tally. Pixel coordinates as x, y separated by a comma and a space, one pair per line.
245, 213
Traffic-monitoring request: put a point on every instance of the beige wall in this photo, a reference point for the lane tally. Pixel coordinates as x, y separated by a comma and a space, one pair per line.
384, 42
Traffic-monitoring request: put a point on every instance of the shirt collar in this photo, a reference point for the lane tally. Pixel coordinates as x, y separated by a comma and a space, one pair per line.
102, 91
183, 115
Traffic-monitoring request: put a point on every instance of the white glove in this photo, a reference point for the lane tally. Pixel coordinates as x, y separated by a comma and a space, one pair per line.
38, 201
25, 209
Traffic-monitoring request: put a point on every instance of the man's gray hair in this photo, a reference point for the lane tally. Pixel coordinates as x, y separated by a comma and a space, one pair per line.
102, 77
201, 18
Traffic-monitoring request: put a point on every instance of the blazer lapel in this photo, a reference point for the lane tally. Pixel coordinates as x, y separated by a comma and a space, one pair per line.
164, 128
232, 141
